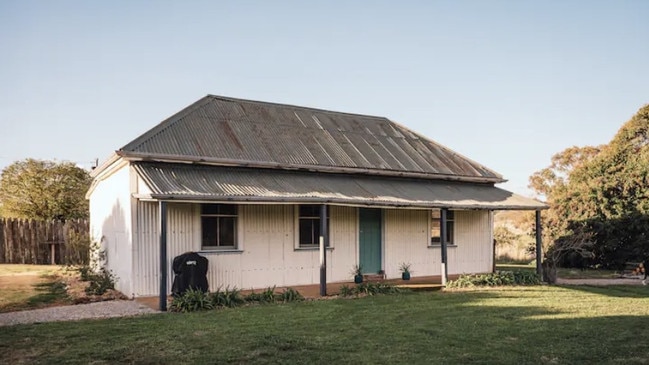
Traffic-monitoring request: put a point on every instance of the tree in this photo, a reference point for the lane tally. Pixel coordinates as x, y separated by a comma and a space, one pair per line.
41, 189
601, 193
554, 183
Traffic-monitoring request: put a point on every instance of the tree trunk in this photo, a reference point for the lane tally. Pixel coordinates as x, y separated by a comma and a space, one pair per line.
549, 271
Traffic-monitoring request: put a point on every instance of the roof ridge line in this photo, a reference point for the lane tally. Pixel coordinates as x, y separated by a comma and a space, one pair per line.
227, 98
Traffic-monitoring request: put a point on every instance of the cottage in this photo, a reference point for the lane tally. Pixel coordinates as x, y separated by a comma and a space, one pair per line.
283, 195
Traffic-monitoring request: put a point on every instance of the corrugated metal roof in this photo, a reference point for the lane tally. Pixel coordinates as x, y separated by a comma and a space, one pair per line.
225, 129
199, 182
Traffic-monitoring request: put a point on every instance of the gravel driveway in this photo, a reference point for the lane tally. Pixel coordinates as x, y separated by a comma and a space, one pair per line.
114, 308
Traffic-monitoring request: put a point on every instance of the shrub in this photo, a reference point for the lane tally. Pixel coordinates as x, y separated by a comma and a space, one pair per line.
78, 247
266, 296
100, 283
191, 301
84, 272
290, 295
346, 291
226, 298
376, 288
498, 278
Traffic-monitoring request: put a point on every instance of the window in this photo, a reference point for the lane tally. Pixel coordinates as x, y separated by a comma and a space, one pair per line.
309, 225
218, 226
435, 227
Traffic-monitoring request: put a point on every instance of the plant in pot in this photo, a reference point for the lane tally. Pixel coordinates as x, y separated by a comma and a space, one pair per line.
358, 274
405, 271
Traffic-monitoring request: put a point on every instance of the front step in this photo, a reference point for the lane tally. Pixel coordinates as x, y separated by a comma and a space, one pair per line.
421, 287
373, 277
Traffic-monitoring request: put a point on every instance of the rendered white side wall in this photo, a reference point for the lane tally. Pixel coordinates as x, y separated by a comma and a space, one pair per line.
407, 238
110, 224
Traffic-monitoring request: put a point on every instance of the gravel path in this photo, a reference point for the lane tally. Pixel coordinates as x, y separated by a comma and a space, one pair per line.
114, 308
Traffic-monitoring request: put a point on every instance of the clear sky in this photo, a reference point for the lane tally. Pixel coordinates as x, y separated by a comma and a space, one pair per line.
506, 83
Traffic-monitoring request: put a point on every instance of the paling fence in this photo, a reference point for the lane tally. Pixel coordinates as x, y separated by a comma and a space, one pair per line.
28, 241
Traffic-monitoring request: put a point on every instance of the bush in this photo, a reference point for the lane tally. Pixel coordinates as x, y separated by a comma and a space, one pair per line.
226, 298
346, 291
499, 278
84, 272
266, 296
100, 283
290, 295
191, 301
376, 288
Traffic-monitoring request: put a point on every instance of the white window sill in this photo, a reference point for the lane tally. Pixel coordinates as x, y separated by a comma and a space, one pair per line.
439, 245
224, 250
314, 248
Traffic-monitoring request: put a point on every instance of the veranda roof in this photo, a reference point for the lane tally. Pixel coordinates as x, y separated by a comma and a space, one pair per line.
188, 182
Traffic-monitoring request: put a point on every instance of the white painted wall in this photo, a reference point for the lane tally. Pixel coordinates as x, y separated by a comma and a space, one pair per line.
110, 224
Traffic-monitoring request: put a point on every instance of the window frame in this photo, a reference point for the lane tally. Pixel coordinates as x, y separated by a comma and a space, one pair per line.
218, 215
436, 241
316, 221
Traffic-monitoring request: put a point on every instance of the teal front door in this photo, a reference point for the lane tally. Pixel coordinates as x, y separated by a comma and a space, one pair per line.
369, 222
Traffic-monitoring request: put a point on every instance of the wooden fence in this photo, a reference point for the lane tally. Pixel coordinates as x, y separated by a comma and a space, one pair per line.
26, 241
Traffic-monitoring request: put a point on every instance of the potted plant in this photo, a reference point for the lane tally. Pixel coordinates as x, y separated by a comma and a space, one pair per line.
358, 274
405, 271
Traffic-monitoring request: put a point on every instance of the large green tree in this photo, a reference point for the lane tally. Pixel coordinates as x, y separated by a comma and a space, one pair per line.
601, 193
41, 189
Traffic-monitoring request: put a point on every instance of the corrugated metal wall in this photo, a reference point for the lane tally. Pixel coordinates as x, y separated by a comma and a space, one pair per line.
146, 252
473, 253
110, 224
406, 239
343, 237
269, 256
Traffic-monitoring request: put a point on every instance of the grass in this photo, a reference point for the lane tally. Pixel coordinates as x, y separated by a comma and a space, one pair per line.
30, 286
13, 269
513, 325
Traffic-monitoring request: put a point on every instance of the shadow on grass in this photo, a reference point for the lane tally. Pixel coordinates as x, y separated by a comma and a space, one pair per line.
50, 292
619, 291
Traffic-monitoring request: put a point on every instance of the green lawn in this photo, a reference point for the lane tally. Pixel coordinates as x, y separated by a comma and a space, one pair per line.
30, 286
531, 325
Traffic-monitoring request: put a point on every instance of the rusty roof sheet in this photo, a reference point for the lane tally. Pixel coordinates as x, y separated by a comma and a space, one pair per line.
281, 136
199, 182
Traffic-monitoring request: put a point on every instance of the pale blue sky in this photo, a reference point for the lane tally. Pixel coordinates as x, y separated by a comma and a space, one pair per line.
506, 83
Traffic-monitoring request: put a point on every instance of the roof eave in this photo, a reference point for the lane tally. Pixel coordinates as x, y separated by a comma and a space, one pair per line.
345, 202
138, 156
